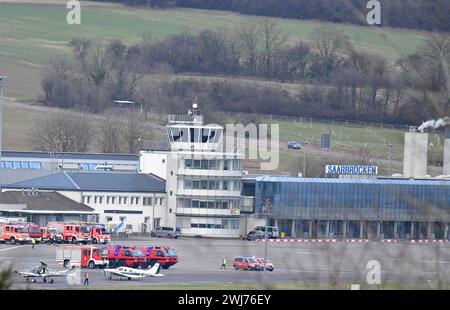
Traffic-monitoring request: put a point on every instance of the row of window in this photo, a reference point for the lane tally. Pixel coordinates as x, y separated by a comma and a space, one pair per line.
212, 164
194, 135
123, 200
206, 204
213, 185
226, 224
20, 165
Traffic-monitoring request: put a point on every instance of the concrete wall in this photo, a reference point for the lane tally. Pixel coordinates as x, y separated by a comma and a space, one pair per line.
154, 162
415, 155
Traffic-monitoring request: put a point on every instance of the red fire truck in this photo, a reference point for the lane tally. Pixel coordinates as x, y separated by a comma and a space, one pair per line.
73, 233
34, 231
99, 234
84, 256
14, 233
165, 256
50, 235
125, 256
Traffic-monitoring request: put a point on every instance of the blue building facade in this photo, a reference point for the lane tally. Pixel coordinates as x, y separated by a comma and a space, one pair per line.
356, 208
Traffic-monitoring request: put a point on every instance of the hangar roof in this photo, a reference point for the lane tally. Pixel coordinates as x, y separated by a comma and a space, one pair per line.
43, 201
95, 182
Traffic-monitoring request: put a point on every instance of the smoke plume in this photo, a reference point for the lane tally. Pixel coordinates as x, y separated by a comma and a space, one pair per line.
442, 122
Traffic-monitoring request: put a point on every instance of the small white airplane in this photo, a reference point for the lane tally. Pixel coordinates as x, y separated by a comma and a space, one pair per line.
44, 273
132, 273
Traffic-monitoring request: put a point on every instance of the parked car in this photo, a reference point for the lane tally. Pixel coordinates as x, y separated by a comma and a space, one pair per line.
168, 232
254, 235
272, 231
246, 263
269, 265
294, 145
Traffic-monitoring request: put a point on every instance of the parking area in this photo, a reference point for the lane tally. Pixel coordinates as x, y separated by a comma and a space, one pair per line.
200, 261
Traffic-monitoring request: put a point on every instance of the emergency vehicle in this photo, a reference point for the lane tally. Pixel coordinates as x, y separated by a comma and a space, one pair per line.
50, 235
14, 233
72, 233
84, 256
165, 256
98, 232
125, 256
34, 231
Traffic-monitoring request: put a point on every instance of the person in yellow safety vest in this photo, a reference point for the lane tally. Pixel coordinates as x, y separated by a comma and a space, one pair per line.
224, 263
33, 242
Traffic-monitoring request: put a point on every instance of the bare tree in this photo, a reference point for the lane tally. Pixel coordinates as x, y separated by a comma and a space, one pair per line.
249, 36
62, 132
56, 82
133, 133
273, 39
110, 135
328, 41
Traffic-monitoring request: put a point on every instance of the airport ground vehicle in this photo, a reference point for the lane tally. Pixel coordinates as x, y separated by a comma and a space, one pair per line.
73, 233
99, 234
254, 235
165, 256
14, 233
247, 263
125, 256
168, 232
50, 235
272, 231
269, 265
34, 231
84, 256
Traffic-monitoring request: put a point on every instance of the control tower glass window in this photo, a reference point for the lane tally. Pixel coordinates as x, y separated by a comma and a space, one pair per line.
176, 134
205, 135
194, 135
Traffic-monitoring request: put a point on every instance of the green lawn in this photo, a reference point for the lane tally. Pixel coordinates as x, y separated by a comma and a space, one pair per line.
33, 32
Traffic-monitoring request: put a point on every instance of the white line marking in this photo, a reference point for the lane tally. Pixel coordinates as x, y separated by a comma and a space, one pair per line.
13, 247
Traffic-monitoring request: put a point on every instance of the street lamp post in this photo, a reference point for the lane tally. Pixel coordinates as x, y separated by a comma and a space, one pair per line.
389, 145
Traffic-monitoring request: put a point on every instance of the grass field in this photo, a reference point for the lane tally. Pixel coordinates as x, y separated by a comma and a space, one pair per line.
33, 32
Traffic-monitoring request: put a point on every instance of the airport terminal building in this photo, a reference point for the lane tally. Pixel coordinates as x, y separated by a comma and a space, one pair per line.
356, 208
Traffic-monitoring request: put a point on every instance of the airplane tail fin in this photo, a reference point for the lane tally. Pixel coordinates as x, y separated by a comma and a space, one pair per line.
156, 269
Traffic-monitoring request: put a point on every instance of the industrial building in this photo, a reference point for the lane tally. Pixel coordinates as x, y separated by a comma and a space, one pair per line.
43, 207
139, 200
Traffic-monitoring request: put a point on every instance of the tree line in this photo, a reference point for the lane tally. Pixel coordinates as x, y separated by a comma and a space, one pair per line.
334, 80
417, 14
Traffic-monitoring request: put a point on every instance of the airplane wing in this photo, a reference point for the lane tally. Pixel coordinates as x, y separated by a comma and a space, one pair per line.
53, 273
28, 274
109, 273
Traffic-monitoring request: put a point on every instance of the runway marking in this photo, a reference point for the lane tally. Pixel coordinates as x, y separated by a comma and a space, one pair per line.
13, 247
